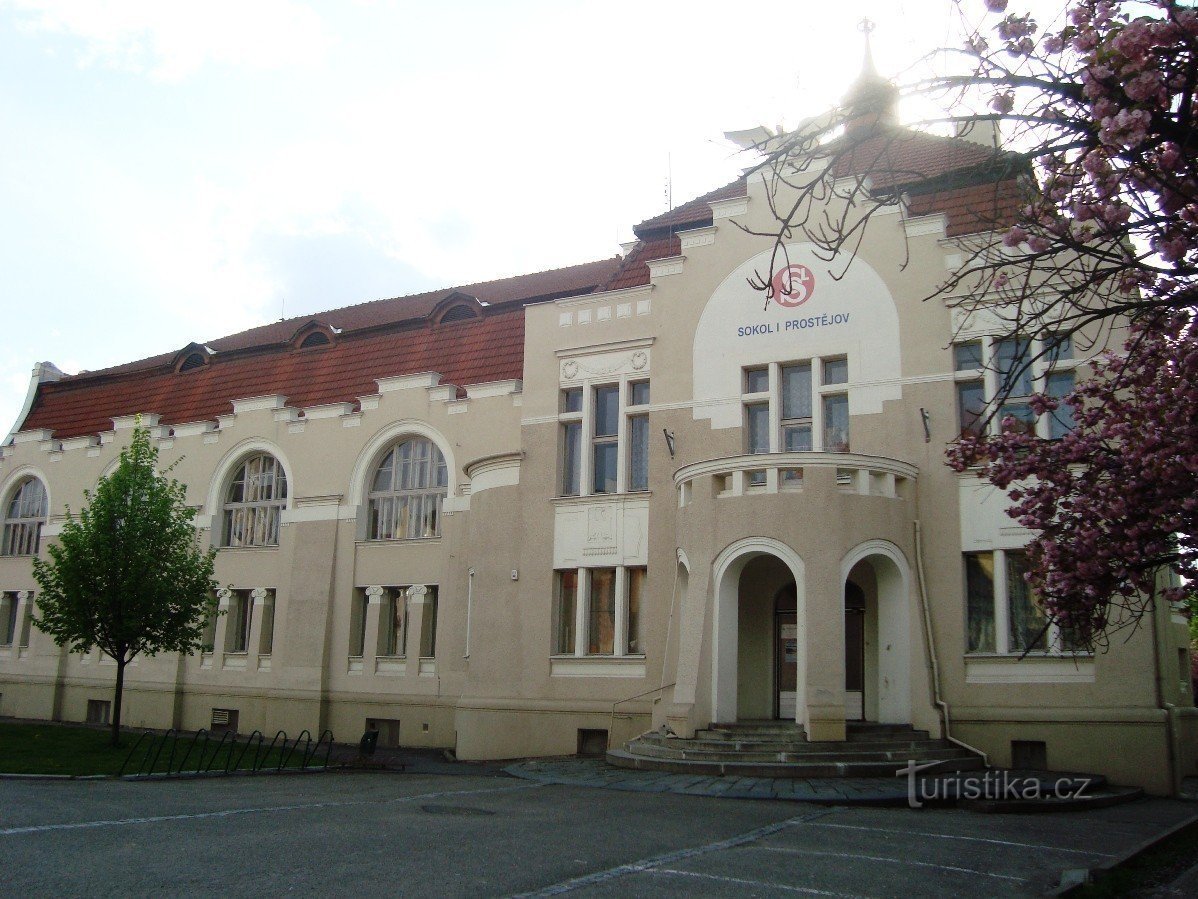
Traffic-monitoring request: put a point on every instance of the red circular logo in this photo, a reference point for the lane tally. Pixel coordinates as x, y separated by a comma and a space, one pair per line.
792, 286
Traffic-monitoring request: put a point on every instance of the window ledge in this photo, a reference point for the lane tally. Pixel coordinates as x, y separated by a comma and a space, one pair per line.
597, 666
397, 541
1042, 668
601, 497
265, 547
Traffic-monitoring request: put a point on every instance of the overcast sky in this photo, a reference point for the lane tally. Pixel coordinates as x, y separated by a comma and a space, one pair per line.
178, 171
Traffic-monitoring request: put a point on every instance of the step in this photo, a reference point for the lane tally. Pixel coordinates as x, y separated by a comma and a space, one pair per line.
893, 759
911, 747
793, 733
624, 759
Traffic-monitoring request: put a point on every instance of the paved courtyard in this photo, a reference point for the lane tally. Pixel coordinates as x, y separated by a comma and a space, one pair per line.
474, 834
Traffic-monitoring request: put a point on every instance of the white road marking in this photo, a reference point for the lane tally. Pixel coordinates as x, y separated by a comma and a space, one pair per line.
740, 881
676, 856
882, 858
266, 809
951, 836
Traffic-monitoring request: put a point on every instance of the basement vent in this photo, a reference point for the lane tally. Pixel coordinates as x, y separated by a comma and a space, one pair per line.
224, 720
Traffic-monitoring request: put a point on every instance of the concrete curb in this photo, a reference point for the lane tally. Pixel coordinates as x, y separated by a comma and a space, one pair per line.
1074, 879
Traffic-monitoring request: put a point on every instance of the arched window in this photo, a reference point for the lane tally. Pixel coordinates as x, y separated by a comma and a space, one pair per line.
24, 516
408, 489
254, 503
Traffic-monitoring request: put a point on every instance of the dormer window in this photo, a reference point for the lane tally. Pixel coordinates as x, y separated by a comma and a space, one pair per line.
459, 313
456, 307
191, 357
316, 338
193, 360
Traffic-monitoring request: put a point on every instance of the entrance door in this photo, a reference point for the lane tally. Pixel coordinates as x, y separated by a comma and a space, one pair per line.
854, 652
786, 653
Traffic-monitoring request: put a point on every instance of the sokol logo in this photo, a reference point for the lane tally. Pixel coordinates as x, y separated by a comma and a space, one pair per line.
792, 286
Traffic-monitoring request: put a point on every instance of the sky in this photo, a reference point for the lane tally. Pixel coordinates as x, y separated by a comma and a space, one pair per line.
178, 171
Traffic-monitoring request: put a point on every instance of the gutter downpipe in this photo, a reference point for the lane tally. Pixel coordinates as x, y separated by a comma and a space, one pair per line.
1167, 707
930, 641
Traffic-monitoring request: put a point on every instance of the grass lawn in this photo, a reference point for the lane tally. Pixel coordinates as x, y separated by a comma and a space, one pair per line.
66, 749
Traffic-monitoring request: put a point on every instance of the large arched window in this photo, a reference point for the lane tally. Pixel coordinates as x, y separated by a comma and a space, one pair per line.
407, 491
24, 515
254, 503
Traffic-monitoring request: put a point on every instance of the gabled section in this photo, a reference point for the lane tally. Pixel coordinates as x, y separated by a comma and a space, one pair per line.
456, 307
191, 357
312, 334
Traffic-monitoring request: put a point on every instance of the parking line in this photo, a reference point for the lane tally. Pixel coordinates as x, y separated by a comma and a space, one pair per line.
741, 881
950, 836
677, 855
883, 858
227, 813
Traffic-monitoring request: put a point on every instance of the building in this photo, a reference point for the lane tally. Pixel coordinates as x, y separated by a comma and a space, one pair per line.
518, 517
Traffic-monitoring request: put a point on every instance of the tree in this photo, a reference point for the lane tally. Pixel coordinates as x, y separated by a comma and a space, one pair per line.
128, 575
1083, 223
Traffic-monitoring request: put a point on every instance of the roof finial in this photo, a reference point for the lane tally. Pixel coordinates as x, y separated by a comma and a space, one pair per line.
867, 26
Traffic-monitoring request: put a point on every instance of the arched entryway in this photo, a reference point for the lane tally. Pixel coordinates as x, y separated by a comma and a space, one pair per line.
757, 646
877, 613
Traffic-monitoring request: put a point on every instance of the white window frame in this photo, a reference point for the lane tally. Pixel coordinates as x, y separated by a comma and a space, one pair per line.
433, 490
582, 612
587, 439
258, 511
773, 396
18, 529
1042, 367
1002, 613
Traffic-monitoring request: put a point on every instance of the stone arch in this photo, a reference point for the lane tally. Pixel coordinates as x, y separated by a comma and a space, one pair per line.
726, 571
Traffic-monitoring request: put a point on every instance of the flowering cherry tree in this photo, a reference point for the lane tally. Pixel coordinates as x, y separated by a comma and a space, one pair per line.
1083, 222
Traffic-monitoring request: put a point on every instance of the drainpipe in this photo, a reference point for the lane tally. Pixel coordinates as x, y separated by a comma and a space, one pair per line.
469, 607
930, 641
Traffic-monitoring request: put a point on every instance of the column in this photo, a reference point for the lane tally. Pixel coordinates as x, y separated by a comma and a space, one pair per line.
820, 706
418, 602
20, 636
370, 642
224, 597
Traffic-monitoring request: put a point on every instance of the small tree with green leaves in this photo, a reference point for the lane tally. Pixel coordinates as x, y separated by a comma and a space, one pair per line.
128, 574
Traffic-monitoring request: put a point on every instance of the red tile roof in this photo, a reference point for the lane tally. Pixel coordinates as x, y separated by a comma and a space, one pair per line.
693, 214
382, 339
974, 208
634, 271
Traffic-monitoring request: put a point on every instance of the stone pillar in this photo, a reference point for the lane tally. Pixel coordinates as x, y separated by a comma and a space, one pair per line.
253, 640
418, 601
370, 642
821, 704
693, 627
224, 597
21, 636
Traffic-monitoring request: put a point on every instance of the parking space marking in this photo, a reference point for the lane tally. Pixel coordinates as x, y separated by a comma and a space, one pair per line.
226, 813
743, 882
677, 855
882, 858
953, 836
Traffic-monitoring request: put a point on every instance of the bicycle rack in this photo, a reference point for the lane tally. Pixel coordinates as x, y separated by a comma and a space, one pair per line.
244, 749
236, 751
136, 743
290, 752
191, 746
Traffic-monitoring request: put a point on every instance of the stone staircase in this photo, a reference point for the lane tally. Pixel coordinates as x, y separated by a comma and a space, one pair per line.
781, 749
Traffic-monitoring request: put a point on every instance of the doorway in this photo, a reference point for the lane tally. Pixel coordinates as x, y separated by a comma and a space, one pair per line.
854, 652
786, 653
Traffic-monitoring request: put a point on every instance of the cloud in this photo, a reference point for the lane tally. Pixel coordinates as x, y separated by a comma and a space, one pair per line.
170, 41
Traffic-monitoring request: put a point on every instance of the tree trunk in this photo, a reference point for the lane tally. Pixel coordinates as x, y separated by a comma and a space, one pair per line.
116, 701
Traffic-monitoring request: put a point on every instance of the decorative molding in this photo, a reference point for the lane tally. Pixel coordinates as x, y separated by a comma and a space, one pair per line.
1040, 670
422, 380
493, 388
498, 470
259, 404
698, 237
723, 209
328, 410
926, 224
607, 296
665, 266
597, 666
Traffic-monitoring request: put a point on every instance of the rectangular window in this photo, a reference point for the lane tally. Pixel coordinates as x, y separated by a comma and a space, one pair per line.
428, 625
757, 380
8, 618
571, 400
836, 423
836, 371
26, 620
638, 393
757, 427
638, 452
979, 602
357, 623
571, 458
241, 612
1012, 358
1027, 618
971, 406
393, 623
601, 624
208, 640
1063, 419
796, 408
605, 448
565, 611
967, 356
636, 594
266, 639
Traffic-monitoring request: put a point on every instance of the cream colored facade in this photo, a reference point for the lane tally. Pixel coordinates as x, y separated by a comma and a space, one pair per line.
719, 534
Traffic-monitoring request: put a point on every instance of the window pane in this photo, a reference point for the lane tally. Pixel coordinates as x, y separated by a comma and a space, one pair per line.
1024, 419
357, 623
571, 458
971, 406
605, 468
796, 438
836, 423
636, 592
967, 356
796, 391
1060, 348
1064, 419
836, 371
757, 380
638, 393
1027, 618
564, 612
979, 602
1013, 360
607, 411
757, 427
572, 399
428, 626
601, 631
638, 452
